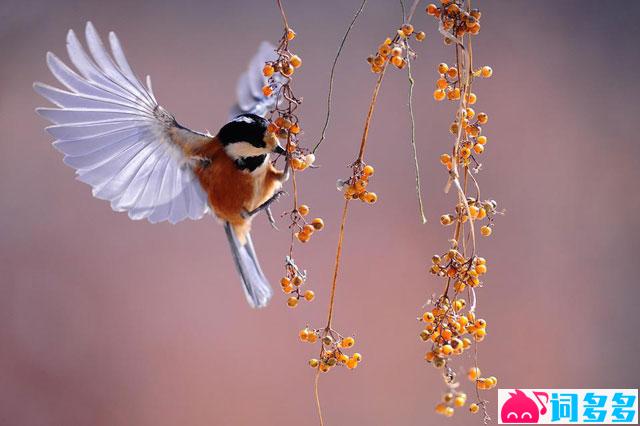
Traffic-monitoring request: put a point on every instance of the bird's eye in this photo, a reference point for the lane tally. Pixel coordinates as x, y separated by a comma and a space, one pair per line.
526, 413
512, 413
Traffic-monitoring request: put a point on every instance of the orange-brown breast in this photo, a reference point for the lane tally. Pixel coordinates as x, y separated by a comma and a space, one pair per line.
232, 191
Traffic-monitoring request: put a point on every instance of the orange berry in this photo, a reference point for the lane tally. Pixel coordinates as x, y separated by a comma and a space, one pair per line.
445, 159
303, 209
486, 72
431, 9
483, 118
398, 61
309, 295
308, 229
470, 113
360, 185
298, 164
459, 286
485, 231
272, 128
267, 90
292, 302
421, 36
446, 334
407, 29
472, 98
370, 197
304, 334
439, 95
478, 148
302, 236
452, 72
446, 219
352, 363
459, 401
442, 83
347, 342
447, 350
285, 282
290, 34
296, 61
473, 373
268, 70
368, 171
481, 140
474, 408
443, 68
317, 224
297, 281
295, 129
428, 317
314, 363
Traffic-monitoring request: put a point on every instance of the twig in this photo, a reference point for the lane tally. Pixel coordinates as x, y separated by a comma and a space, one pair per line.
413, 142
333, 69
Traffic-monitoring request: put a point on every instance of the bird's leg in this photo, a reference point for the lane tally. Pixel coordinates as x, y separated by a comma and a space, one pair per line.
266, 207
271, 219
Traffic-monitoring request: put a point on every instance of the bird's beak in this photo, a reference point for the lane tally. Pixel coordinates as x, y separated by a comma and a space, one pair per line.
279, 150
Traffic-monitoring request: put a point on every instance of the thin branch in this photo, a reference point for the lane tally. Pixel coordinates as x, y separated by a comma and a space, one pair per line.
413, 142
333, 69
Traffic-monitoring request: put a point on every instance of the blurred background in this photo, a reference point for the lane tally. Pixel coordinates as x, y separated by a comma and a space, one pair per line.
106, 321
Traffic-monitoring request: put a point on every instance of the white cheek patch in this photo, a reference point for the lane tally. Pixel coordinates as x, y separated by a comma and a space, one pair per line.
243, 149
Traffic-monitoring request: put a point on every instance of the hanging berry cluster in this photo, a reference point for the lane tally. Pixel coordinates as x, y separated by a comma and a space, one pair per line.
285, 124
332, 351
395, 50
450, 324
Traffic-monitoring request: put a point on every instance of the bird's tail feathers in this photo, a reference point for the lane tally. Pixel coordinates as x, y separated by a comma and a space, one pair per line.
255, 285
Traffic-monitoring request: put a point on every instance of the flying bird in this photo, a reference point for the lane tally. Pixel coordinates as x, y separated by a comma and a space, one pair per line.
135, 154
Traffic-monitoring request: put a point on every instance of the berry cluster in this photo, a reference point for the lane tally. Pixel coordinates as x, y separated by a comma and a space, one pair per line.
455, 19
304, 229
285, 125
285, 65
396, 50
332, 352
478, 210
450, 326
355, 188
450, 401
292, 284
462, 271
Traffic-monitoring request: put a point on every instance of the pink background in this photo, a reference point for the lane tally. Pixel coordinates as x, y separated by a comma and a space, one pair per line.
105, 321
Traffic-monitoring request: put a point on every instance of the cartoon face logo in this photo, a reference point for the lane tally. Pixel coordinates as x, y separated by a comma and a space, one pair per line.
519, 408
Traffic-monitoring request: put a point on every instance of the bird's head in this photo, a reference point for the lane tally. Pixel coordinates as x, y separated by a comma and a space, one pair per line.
247, 136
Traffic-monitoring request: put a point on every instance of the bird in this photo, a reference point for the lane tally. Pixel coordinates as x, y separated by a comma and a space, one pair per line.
136, 155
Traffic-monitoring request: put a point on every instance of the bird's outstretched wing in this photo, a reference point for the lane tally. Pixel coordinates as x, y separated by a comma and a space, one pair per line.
112, 130
249, 87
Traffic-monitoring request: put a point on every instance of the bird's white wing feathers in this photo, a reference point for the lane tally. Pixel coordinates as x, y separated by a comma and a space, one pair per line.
250, 98
111, 129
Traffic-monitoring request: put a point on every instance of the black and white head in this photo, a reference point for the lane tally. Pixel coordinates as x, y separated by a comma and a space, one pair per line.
247, 141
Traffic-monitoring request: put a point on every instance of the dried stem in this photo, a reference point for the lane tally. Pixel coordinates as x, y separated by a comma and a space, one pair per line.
317, 395
337, 264
284, 15
333, 69
413, 142
372, 105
